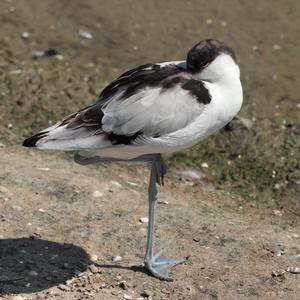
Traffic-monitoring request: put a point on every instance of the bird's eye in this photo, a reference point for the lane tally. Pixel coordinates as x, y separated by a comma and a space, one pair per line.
203, 64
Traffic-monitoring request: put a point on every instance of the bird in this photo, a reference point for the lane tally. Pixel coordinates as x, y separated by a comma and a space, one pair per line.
153, 109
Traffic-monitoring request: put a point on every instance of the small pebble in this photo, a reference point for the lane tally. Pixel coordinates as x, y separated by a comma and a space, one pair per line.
59, 57
277, 213
209, 21
116, 183
162, 202
43, 169
25, 35
97, 194
128, 297
93, 269
204, 165
33, 273
144, 220
94, 258
85, 34
276, 47
116, 258
223, 23
1, 145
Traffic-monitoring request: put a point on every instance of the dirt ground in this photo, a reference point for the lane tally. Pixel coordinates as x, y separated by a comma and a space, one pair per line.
51, 223
62, 223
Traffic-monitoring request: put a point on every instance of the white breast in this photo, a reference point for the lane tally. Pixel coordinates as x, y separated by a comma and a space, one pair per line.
222, 79
226, 101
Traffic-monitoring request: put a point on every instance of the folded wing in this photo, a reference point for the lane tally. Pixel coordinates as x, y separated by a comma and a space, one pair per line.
147, 102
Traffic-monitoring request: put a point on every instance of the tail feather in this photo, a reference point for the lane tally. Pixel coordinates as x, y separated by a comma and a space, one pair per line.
31, 142
62, 138
82, 130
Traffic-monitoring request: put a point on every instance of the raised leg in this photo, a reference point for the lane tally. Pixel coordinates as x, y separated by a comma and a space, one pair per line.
157, 264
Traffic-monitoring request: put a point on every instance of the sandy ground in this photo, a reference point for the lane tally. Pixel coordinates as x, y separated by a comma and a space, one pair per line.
53, 223
61, 223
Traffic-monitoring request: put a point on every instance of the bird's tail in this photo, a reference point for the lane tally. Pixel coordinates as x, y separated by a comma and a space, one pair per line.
81, 130
60, 137
32, 141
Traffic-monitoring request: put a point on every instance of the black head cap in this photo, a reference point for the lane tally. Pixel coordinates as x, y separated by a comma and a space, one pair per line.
204, 53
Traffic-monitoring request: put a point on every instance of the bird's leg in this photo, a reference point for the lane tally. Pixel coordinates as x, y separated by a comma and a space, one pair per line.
157, 264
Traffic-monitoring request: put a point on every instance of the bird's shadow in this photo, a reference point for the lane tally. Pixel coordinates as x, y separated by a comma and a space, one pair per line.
29, 265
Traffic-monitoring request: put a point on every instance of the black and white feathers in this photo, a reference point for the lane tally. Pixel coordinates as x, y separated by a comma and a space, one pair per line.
153, 108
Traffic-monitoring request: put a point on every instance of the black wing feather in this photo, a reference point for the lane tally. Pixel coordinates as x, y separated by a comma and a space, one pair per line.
132, 81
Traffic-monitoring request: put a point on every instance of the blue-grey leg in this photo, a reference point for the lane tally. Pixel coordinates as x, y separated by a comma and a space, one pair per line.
157, 264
